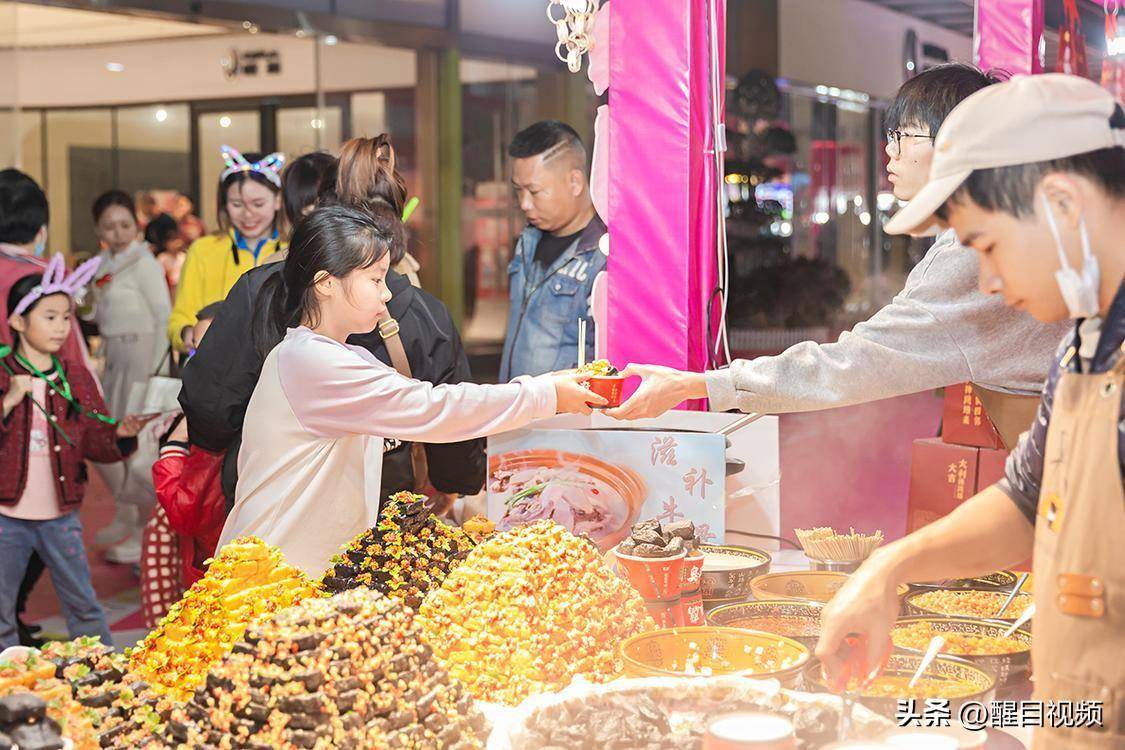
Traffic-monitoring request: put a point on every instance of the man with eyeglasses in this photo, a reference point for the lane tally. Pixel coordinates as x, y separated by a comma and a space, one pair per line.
940, 330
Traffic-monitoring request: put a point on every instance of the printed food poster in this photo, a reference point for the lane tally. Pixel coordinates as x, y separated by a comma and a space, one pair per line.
601, 482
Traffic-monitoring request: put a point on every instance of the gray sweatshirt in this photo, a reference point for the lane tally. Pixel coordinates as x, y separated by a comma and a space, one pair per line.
939, 330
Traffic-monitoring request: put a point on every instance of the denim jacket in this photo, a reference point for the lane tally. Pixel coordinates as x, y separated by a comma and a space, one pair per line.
546, 305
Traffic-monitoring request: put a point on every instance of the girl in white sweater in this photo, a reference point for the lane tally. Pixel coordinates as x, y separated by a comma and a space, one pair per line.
312, 451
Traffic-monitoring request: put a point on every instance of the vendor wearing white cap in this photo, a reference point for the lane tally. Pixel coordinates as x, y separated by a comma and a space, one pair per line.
938, 331
1031, 174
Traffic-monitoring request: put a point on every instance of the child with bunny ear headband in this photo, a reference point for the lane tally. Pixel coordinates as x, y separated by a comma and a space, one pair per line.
52, 421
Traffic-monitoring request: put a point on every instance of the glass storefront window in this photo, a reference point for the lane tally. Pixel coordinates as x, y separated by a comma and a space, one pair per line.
301, 130
240, 129
492, 113
80, 166
153, 154
808, 257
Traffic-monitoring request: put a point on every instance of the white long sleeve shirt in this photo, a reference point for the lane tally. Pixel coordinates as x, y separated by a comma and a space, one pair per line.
938, 331
310, 466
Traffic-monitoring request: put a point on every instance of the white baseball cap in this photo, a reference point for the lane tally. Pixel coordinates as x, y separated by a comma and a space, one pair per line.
1025, 120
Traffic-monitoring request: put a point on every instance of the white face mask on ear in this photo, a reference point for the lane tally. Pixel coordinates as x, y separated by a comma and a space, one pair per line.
1079, 290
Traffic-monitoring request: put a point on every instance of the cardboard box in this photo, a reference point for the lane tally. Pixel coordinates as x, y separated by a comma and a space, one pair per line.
964, 421
942, 476
990, 467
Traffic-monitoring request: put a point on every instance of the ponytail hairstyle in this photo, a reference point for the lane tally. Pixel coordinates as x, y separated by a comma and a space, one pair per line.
336, 239
365, 177
300, 185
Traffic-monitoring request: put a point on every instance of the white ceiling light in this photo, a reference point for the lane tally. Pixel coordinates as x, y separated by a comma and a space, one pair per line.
331, 40
160, 115
115, 67
224, 121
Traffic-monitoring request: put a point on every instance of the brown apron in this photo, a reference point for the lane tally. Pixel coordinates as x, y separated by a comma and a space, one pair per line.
1080, 561
1011, 414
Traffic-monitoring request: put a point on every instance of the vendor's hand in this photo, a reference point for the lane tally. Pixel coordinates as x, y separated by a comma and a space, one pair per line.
573, 395
188, 335
131, 425
661, 389
866, 606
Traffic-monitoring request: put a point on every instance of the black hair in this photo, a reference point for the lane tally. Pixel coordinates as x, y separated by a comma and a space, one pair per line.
365, 176
111, 198
23, 207
238, 178
300, 184
1012, 189
162, 228
337, 239
548, 136
19, 290
929, 97
210, 311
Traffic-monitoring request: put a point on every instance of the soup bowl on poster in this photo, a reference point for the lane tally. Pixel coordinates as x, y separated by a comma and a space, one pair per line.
580, 492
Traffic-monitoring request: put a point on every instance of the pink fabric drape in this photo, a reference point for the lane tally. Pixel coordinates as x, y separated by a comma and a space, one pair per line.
661, 187
1008, 34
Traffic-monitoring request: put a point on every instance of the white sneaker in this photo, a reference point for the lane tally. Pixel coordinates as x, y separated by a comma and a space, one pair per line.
127, 552
125, 522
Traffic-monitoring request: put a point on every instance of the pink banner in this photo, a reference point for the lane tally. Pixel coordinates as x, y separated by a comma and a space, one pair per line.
661, 184
1008, 35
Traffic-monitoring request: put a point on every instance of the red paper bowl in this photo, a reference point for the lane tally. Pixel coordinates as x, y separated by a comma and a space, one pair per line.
654, 578
609, 387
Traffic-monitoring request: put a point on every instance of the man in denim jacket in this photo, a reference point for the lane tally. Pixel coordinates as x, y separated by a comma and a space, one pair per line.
557, 258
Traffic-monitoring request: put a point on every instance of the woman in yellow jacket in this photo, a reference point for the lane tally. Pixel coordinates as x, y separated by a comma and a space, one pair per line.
249, 197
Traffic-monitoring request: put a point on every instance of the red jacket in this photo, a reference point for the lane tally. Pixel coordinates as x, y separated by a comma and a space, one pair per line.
92, 439
189, 488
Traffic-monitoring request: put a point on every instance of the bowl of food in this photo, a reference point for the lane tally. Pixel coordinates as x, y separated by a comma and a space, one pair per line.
979, 641
706, 651
947, 678
584, 494
1001, 579
805, 585
792, 619
605, 380
977, 603
728, 570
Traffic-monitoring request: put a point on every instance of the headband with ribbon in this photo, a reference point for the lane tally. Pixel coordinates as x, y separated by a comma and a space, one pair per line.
56, 281
268, 166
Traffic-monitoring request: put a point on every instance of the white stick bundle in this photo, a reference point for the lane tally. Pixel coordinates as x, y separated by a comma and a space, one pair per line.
823, 543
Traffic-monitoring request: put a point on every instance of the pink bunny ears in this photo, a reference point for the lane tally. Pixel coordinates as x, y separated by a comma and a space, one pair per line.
268, 167
56, 281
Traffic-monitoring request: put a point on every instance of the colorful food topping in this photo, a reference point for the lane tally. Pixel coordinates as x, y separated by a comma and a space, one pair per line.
408, 553
919, 634
246, 581
971, 603
894, 686
346, 672
529, 610
599, 368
